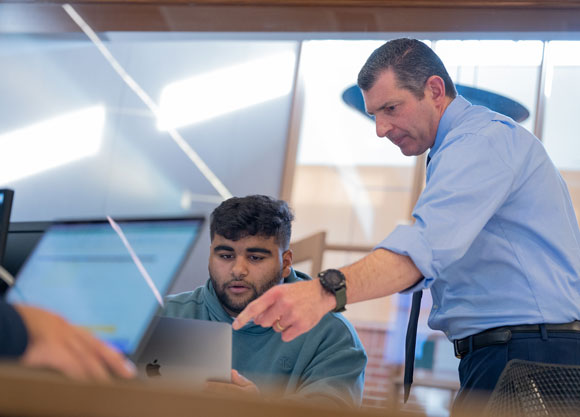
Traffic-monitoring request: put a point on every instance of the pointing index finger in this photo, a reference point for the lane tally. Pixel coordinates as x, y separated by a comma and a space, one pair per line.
252, 310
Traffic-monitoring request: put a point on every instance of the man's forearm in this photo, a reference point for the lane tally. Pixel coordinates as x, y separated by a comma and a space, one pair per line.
297, 307
379, 274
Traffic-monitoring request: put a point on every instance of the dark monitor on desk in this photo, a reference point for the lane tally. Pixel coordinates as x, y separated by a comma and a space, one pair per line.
6, 197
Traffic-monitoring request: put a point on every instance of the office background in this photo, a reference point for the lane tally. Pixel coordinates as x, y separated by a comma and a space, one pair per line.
256, 93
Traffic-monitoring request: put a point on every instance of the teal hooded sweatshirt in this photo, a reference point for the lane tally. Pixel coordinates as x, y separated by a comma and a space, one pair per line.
325, 365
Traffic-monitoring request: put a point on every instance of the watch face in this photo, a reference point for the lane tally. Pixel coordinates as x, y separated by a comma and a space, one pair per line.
332, 280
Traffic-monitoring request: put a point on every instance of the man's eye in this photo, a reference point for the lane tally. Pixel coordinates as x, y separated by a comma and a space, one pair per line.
390, 109
226, 256
256, 258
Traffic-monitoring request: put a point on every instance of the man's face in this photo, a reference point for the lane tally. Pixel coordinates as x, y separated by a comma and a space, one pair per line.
244, 269
408, 122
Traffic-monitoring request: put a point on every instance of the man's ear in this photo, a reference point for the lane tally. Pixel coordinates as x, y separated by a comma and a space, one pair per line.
286, 262
435, 88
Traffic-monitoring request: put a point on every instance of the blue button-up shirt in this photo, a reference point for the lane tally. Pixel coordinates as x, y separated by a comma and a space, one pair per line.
495, 234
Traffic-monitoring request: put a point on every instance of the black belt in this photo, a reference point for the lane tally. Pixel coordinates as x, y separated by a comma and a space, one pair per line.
501, 335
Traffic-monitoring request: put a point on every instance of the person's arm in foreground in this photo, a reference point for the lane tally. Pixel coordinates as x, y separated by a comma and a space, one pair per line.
54, 343
299, 306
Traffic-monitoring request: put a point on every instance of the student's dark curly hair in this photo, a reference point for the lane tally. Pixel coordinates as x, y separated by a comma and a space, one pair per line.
254, 215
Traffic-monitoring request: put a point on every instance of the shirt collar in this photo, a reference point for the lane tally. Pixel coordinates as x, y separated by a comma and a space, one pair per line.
455, 108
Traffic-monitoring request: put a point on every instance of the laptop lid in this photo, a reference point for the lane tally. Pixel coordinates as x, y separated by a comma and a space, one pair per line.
84, 271
188, 350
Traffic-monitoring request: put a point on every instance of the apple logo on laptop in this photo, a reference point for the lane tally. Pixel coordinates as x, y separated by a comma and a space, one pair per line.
152, 369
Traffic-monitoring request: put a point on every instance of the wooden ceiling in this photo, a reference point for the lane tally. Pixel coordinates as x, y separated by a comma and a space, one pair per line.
349, 16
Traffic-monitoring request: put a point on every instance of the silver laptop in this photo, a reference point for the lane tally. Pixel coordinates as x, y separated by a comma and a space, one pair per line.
188, 350
84, 271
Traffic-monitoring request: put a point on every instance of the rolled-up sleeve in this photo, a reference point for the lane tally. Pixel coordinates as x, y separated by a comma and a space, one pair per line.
408, 241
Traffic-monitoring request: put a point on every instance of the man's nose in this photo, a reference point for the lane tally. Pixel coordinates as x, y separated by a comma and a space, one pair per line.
240, 268
383, 127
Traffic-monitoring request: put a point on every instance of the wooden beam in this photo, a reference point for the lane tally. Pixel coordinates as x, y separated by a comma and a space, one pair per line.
367, 17
454, 4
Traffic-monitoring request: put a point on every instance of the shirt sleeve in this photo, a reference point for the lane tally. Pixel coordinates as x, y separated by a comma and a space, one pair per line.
467, 182
13, 334
335, 375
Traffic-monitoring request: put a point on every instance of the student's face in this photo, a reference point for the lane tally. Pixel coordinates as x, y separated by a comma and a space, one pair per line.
243, 270
408, 122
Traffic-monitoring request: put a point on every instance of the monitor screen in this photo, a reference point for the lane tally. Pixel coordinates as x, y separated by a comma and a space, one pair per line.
84, 272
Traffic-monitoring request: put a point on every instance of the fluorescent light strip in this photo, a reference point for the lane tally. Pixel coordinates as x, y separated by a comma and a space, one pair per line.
132, 84
51, 143
201, 97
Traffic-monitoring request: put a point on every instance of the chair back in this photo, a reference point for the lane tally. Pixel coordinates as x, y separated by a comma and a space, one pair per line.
536, 389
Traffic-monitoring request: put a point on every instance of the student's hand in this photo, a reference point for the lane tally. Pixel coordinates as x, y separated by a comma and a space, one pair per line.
290, 309
54, 343
239, 385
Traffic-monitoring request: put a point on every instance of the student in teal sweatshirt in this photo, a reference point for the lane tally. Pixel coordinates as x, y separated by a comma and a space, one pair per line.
249, 254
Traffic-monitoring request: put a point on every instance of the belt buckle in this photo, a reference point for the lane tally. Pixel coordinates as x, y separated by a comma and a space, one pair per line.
456, 349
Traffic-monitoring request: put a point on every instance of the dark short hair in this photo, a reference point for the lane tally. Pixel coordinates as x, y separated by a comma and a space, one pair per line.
254, 215
412, 62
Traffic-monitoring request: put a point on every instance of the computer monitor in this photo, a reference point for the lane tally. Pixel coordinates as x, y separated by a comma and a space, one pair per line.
109, 278
6, 197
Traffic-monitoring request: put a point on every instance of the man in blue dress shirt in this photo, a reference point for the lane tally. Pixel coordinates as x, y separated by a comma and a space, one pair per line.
495, 236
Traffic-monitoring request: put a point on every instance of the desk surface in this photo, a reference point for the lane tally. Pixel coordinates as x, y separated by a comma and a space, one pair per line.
29, 392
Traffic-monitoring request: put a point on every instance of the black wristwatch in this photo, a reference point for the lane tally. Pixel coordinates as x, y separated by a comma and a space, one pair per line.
334, 282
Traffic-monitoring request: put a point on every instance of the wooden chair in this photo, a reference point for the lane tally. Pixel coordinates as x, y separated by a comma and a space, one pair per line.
311, 248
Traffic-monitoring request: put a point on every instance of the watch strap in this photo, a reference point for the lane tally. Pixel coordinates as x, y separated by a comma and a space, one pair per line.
340, 295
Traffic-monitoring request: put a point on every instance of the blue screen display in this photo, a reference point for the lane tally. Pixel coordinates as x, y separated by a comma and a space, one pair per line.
85, 273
